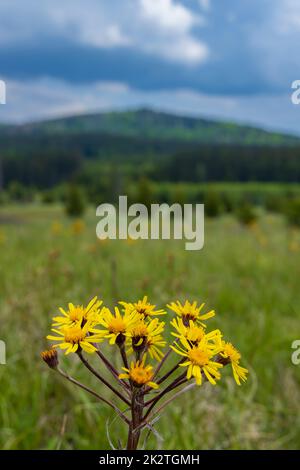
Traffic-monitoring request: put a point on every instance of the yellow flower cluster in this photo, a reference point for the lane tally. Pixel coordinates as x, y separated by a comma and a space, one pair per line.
136, 329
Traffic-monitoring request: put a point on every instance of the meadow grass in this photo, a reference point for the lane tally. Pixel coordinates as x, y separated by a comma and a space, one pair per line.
250, 276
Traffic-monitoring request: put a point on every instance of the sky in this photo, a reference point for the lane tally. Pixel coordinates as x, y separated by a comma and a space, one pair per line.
224, 59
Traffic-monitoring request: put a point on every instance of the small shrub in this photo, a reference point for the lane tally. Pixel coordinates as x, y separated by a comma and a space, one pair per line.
246, 214
144, 192
17, 192
213, 204
48, 197
75, 203
275, 203
292, 212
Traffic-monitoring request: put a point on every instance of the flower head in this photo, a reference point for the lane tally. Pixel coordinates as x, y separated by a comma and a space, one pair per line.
199, 360
191, 332
195, 333
190, 311
78, 314
231, 354
146, 337
74, 338
143, 307
117, 325
139, 374
50, 357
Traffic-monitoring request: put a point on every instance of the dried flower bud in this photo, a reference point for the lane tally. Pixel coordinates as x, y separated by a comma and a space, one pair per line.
50, 357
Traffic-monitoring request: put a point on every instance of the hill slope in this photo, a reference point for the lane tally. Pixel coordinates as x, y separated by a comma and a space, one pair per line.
149, 124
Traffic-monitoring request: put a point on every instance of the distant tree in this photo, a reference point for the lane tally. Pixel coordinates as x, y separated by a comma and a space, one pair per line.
48, 197
292, 212
246, 214
17, 192
74, 202
144, 192
3, 197
180, 195
1, 176
275, 202
229, 202
213, 205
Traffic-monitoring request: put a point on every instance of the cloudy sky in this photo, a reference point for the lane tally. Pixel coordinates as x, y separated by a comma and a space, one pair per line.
227, 59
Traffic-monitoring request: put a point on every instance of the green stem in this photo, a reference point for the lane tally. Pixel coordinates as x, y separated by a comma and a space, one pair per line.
92, 392
102, 379
111, 368
134, 431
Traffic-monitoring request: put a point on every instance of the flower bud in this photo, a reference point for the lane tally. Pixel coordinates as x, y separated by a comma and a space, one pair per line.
50, 357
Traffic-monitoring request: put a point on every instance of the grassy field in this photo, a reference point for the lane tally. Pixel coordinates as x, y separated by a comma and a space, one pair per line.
249, 275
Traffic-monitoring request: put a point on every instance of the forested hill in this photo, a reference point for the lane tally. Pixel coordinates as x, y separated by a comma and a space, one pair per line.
148, 124
160, 146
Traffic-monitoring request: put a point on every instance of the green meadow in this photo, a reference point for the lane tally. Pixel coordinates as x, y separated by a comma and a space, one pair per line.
249, 275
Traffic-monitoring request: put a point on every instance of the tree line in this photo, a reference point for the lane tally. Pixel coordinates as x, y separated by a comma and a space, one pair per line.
44, 161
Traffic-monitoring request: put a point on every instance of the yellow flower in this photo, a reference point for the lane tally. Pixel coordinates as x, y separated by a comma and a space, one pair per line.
190, 311
117, 325
199, 360
233, 355
191, 332
75, 338
130, 241
2, 237
78, 313
195, 333
56, 228
143, 307
153, 345
294, 246
139, 374
77, 227
146, 337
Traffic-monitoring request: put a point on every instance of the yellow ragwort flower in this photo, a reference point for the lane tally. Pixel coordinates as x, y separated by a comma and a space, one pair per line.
233, 355
117, 325
146, 337
139, 374
75, 338
77, 227
194, 333
56, 227
199, 360
190, 311
142, 307
78, 313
